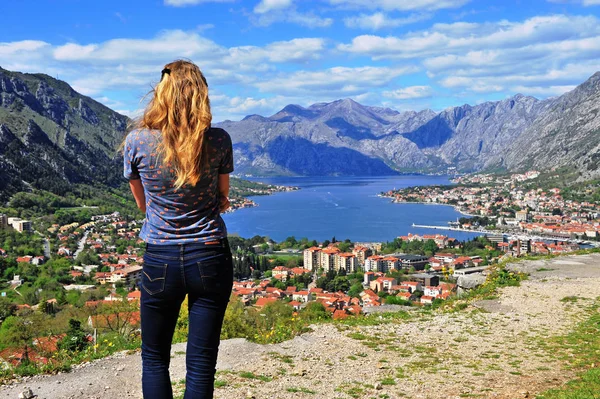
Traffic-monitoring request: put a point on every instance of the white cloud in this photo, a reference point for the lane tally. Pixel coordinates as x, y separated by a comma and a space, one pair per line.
450, 38
380, 20
21, 47
410, 92
548, 91
556, 52
237, 107
183, 3
335, 82
309, 20
270, 5
295, 50
553, 81
585, 3
401, 5
168, 44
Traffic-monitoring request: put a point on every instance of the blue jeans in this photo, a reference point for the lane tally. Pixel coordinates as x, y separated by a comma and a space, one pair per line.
205, 273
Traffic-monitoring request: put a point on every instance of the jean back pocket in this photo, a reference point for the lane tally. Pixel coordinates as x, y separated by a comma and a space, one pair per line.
216, 272
153, 278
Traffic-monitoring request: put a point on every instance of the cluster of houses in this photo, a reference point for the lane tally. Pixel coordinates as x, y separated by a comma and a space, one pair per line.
523, 247
339, 304
440, 240
543, 212
422, 289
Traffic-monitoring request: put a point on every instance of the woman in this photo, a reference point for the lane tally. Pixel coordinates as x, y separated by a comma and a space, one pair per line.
178, 169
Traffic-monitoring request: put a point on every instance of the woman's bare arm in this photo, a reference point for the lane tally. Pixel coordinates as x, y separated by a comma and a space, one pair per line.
223, 192
137, 189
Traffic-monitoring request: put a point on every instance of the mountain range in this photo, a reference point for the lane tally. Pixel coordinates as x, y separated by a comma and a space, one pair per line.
346, 138
52, 137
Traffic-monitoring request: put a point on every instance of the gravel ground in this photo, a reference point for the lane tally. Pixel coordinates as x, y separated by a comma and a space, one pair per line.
489, 350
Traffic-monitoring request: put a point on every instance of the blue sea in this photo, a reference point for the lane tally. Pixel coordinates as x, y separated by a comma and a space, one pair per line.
341, 207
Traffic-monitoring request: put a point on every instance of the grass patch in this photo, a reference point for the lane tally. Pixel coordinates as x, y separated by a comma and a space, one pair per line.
580, 349
570, 299
302, 390
284, 358
220, 383
586, 387
251, 376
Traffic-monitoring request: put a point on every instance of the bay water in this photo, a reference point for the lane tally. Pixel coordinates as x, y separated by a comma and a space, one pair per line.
341, 207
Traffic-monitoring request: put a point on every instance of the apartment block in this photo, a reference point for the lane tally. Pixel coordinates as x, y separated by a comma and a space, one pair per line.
312, 258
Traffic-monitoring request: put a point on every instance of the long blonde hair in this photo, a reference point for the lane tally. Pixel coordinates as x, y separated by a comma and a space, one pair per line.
180, 110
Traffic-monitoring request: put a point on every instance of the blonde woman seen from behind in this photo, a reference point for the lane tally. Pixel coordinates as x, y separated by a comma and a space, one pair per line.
178, 169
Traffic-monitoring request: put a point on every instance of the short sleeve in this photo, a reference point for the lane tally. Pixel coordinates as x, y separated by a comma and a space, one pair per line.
226, 164
130, 159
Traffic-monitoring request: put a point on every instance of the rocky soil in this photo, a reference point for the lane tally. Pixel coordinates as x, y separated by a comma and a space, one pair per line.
492, 349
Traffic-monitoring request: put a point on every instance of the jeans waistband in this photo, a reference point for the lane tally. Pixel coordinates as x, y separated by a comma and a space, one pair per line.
176, 251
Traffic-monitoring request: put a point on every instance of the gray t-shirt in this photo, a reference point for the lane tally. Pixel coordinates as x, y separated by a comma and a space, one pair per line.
189, 214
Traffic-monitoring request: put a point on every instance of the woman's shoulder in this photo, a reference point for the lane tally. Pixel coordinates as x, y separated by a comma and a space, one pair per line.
218, 132
218, 135
142, 135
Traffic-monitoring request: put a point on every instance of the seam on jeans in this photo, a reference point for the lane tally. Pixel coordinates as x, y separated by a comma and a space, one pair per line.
154, 255
182, 266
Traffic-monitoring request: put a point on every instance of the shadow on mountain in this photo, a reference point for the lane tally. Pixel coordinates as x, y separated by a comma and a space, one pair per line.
303, 157
346, 129
432, 134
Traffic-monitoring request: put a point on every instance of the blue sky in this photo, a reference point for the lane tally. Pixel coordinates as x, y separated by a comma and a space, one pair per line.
260, 55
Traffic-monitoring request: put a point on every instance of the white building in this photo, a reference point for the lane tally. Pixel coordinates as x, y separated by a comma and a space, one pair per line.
19, 224
374, 263
346, 262
328, 258
312, 258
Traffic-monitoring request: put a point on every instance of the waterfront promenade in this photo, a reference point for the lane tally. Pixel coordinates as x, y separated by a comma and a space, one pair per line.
510, 235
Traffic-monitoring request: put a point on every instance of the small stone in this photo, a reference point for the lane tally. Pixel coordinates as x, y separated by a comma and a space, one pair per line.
524, 394
27, 394
378, 386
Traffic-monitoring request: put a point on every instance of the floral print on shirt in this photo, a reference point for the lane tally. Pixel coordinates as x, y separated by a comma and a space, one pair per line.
178, 216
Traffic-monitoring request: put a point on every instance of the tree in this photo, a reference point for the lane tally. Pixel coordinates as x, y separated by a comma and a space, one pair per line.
344, 246
355, 290
76, 338
314, 311
7, 308
19, 331
121, 317
430, 247
238, 321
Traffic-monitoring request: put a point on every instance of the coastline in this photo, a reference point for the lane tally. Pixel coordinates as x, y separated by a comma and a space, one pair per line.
456, 207
248, 202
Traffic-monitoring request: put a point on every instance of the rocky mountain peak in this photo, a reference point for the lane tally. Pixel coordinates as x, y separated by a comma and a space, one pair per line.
293, 113
255, 117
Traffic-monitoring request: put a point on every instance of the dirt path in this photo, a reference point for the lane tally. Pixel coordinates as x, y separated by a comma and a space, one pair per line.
491, 350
